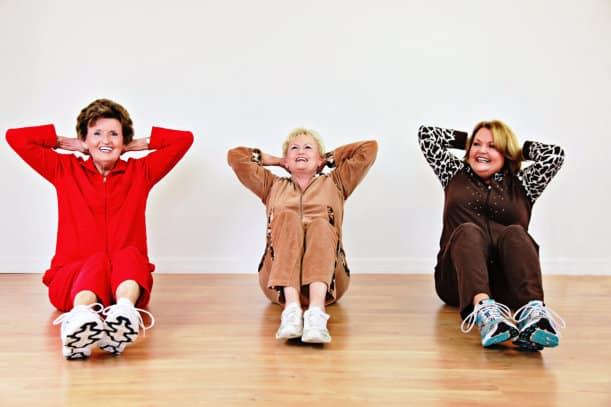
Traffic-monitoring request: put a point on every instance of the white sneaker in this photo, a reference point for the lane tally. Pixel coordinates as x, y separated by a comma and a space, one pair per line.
315, 326
291, 325
81, 328
122, 325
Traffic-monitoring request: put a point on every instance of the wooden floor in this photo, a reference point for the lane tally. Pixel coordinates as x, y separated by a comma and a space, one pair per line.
394, 343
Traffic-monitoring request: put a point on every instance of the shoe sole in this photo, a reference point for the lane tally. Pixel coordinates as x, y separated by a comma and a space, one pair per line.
77, 355
110, 348
508, 333
315, 339
85, 336
121, 332
290, 336
537, 335
528, 346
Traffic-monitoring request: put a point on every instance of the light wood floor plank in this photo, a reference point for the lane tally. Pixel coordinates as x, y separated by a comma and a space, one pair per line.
394, 343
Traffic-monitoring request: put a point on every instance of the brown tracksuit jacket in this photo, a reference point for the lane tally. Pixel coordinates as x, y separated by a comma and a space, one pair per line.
306, 221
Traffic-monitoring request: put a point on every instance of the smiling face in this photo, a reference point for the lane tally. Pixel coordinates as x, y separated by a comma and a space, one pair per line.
484, 158
303, 155
105, 143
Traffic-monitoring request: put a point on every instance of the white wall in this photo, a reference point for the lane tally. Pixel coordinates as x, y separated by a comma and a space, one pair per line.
240, 72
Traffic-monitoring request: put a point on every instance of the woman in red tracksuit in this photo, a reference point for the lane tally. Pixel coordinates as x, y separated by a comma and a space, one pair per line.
101, 265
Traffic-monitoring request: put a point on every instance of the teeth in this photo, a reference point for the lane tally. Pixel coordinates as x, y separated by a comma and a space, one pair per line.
105, 149
483, 160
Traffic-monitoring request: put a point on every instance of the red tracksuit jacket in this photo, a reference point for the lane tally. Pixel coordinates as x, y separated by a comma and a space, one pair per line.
96, 214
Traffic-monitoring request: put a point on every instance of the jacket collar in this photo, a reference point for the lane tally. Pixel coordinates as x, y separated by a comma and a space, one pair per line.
120, 166
497, 177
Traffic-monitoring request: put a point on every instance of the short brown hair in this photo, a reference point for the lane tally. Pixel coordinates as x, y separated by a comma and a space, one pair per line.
107, 109
505, 141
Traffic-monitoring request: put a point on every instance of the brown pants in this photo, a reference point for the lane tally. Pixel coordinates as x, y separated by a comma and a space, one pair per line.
300, 255
508, 269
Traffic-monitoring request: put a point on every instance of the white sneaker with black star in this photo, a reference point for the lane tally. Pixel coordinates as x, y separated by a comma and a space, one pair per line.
122, 325
81, 328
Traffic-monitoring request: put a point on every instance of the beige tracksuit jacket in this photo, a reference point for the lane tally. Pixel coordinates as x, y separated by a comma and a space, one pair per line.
304, 227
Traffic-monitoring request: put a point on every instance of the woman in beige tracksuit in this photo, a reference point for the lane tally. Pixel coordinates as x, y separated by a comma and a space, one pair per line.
304, 262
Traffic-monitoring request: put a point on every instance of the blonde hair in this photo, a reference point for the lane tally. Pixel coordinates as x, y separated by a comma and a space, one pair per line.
505, 141
306, 132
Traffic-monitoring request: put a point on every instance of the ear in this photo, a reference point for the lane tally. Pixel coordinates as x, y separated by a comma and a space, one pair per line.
84, 147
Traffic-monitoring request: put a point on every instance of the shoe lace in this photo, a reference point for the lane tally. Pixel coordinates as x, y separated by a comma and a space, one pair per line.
139, 312
95, 307
537, 309
291, 316
489, 311
317, 319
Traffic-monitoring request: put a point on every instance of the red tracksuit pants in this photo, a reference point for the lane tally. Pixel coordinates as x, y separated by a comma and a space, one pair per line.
100, 273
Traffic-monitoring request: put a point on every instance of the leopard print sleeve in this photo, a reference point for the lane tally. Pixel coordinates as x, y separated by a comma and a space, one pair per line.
435, 143
547, 160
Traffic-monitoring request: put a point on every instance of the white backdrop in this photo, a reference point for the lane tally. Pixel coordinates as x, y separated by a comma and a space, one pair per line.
239, 72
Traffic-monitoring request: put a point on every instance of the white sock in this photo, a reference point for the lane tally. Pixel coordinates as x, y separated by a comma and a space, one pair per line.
125, 301
316, 308
292, 305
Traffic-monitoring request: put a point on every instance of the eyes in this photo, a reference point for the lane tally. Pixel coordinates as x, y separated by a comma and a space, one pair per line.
99, 133
296, 147
477, 143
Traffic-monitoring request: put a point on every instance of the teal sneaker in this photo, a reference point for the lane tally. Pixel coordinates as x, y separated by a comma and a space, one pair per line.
493, 320
538, 326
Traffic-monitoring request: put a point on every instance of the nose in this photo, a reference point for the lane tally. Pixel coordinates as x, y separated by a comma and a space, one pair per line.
105, 138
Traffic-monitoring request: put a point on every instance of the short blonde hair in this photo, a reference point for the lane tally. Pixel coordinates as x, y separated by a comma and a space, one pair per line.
307, 132
505, 141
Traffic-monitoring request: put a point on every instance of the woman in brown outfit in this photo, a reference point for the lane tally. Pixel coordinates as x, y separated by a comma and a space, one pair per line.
304, 262
485, 249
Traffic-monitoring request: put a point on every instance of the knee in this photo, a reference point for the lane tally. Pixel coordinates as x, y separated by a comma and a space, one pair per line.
514, 233
470, 231
127, 251
96, 258
515, 230
129, 255
320, 225
285, 219
96, 263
